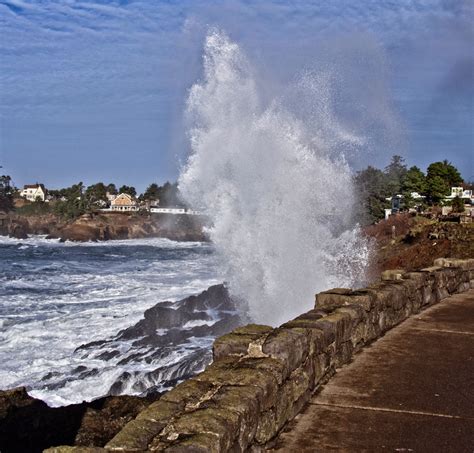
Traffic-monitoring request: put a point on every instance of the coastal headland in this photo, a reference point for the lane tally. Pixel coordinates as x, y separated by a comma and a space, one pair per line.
103, 226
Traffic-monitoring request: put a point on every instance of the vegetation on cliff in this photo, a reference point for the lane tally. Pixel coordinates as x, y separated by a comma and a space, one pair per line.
70, 203
6, 193
374, 186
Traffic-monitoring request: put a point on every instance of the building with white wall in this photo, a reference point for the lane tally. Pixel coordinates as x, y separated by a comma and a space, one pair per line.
33, 192
460, 192
124, 203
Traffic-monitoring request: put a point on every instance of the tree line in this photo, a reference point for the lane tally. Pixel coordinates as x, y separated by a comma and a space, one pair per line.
374, 186
78, 199
71, 202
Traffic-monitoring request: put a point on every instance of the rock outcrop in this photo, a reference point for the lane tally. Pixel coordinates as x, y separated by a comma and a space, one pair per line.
166, 327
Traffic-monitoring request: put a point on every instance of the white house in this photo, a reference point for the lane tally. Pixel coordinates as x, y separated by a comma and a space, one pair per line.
33, 192
124, 203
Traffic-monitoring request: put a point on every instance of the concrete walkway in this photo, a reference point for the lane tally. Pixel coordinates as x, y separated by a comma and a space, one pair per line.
411, 391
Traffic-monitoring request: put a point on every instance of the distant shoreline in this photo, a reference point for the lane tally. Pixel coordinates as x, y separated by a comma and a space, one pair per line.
105, 226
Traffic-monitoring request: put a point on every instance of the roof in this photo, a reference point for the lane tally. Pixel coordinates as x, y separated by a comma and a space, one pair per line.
117, 200
34, 186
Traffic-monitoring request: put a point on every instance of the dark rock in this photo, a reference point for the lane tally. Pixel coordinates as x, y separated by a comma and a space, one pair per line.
107, 355
168, 315
30, 425
18, 231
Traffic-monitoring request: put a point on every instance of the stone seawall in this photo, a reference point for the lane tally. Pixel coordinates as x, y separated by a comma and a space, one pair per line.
262, 377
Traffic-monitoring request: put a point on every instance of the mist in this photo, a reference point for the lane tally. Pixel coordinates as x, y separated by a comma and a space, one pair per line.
272, 175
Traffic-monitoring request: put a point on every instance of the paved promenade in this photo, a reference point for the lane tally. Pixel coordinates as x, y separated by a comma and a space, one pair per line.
411, 391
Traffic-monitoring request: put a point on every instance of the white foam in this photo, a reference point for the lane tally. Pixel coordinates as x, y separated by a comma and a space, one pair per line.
66, 295
198, 322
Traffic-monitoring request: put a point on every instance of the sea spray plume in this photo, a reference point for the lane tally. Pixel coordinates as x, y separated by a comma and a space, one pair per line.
275, 184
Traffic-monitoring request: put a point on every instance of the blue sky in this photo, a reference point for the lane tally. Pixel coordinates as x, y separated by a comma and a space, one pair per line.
94, 90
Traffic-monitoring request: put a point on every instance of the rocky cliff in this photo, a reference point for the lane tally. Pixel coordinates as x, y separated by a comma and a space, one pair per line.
106, 226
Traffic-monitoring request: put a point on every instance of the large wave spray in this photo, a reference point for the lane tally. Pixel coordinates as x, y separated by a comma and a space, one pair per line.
273, 178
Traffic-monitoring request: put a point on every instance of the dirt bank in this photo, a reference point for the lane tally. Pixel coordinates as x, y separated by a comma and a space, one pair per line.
413, 242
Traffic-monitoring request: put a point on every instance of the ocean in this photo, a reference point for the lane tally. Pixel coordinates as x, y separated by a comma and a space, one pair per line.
56, 297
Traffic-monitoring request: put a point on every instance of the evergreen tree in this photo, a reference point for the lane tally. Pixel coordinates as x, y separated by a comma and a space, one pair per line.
372, 191
458, 204
74, 204
169, 195
395, 173
6, 193
436, 189
110, 188
414, 181
96, 193
446, 171
152, 192
130, 190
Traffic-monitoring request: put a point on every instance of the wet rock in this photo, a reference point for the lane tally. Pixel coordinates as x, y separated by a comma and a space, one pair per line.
107, 355
168, 315
157, 336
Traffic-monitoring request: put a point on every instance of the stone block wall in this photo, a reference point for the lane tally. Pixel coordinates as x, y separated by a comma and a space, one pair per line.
262, 377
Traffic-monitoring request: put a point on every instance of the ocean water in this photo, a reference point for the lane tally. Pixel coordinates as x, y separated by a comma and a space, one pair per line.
55, 297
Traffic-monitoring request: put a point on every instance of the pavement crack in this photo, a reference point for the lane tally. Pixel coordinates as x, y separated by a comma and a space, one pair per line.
386, 409
460, 332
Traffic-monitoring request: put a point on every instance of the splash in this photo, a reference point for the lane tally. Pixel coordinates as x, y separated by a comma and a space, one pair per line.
273, 178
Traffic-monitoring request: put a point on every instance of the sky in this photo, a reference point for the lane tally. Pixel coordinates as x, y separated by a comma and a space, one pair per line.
95, 90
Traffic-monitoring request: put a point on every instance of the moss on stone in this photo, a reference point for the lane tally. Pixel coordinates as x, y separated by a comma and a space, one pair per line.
252, 329
135, 435
161, 411
197, 443
223, 423
66, 449
290, 345
187, 394
231, 344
